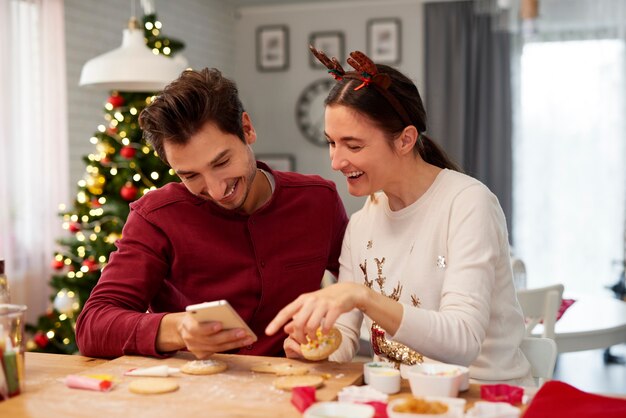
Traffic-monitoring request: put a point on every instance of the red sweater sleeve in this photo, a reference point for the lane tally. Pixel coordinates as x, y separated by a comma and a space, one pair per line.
340, 222
114, 320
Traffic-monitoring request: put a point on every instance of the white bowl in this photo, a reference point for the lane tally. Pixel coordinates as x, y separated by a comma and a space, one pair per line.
339, 410
456, 407
437, 379
374, 365
385, 380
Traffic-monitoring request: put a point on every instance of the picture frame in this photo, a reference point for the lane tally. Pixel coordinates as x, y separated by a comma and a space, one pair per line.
279, 162
272, 48
384, 37
332, 43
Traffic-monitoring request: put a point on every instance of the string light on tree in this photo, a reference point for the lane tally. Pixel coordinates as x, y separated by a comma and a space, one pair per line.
66, 302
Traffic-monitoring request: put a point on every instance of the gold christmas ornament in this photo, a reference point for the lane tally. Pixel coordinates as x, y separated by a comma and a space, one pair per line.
95, 184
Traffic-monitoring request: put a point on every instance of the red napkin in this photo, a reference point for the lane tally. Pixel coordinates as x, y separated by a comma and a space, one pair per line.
302, 397
565, 304
558, 399
502, 393
380, 409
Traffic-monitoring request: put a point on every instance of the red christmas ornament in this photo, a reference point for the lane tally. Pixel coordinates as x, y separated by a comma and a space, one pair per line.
41, 339
95, 203
116, 100
91, 264
56, 264
128, 152
74, 227
129, 192
105, 160
112, 129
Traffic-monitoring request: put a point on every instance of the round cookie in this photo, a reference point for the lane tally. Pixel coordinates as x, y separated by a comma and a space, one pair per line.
204, 367
280, 369
290, 382
153, 385
323, 346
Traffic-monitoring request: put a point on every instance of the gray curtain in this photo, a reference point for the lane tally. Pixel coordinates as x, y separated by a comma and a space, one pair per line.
468, 93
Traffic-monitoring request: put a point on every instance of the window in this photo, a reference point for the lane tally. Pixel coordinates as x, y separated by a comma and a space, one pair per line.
569, 163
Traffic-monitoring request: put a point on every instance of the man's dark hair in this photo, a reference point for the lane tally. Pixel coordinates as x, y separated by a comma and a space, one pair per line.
186, 104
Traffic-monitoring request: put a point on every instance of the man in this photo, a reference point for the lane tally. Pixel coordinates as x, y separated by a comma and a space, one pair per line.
234, 229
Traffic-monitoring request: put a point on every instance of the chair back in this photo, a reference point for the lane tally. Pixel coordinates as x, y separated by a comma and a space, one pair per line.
519, 273
541, 354
541, 304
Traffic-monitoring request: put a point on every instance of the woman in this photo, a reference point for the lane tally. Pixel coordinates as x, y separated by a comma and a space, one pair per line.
426, 261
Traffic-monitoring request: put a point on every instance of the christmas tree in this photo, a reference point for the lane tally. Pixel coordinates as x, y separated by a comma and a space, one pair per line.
120, 170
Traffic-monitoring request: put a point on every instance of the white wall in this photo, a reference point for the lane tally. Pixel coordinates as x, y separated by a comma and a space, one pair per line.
94, 27
270, 97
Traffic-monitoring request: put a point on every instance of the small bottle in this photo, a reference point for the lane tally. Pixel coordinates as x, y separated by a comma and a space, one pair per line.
5, 295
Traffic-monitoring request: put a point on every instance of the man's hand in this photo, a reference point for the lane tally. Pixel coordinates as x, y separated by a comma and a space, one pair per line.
179, 330
204, 339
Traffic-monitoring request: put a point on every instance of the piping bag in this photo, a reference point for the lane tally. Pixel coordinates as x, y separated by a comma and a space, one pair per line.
155, 371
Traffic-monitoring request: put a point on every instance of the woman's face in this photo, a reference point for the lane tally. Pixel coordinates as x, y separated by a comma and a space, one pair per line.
359, 149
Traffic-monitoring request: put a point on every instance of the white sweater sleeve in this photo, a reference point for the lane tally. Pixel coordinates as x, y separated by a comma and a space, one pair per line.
349, 324
455, 332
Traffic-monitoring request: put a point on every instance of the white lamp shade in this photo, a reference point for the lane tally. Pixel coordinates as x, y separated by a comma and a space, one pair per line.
131, 67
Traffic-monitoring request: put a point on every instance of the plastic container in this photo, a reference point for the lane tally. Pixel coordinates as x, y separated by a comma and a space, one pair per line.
385, 380
339, 410
455, 408
437, 379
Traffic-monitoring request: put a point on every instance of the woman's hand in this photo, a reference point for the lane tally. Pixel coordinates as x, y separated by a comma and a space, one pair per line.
292, 348
317, 309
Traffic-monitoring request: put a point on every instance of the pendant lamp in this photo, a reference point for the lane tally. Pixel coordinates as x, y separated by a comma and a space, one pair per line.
131, 67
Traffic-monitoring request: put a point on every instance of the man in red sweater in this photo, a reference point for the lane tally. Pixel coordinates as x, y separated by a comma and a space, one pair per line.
234, 229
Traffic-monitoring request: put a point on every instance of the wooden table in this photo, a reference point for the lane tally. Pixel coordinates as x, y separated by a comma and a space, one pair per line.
238, 392
590, 323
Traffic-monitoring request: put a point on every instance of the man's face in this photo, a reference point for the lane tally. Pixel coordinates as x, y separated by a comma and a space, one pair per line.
216, 166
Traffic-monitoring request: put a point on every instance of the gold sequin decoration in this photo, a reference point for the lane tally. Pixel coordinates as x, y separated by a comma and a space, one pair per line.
392, 350
368, 283
380, 279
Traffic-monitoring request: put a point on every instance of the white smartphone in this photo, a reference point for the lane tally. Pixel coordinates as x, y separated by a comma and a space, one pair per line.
220, 311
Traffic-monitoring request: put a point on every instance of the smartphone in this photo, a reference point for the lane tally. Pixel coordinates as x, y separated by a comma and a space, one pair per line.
220, 311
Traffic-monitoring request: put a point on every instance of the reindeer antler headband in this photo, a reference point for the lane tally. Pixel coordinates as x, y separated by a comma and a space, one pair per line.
367, 72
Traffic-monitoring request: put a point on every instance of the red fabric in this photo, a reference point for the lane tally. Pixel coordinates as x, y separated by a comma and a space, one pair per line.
558, 399
502, 393
302, 397
177, 249
380, 409
565, 304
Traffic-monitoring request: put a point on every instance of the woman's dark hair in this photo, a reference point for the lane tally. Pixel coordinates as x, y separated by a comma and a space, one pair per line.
371, 103
186, 104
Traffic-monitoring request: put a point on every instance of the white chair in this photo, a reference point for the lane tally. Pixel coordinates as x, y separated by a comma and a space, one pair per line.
541, 304
519, 273
541, 354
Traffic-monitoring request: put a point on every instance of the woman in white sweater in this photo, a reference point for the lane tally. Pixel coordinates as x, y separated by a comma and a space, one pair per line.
426, 261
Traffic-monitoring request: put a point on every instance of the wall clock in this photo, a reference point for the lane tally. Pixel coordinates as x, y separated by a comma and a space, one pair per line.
310, 110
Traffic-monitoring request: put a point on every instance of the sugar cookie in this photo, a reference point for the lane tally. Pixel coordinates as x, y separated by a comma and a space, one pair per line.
204, 367
153, 385
323, 346
280, 369
290, 382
